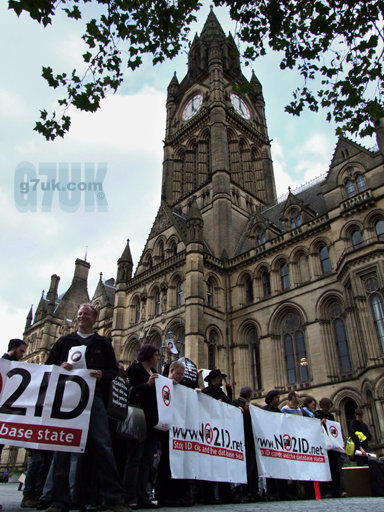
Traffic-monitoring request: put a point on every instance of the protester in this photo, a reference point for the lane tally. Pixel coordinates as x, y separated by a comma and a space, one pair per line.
276, 488
360, 434
215, 381
272, 401
36, 474
101, 362
142, 377
309, 407
170, 493
249, 491
335, 488
292, 406
16, 350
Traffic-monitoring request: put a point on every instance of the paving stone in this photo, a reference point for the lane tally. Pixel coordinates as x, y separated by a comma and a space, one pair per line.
10, 498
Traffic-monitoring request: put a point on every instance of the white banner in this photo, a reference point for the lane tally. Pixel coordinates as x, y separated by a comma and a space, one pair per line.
289, 446
164, 396
333, 436
206, 440
44, 407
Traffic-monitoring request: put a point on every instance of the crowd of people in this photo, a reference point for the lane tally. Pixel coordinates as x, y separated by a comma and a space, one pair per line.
120, 474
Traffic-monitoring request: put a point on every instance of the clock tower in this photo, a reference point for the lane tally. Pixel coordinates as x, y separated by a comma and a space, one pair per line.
217, 147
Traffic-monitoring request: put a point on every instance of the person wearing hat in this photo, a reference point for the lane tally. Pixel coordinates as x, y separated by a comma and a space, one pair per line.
215, 381
16, 350
272, 401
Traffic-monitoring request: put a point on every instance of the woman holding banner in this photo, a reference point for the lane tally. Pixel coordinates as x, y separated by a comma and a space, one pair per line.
167, 493
142, 377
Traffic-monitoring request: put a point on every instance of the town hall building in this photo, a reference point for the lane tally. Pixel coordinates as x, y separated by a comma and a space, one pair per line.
286, 295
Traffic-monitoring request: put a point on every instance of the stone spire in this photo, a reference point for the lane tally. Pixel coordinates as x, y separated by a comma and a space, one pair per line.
124, 265
28, 322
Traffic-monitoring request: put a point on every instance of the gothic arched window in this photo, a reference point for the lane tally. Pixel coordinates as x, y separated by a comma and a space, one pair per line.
324, 260
295, 218
379, 228
173, 248
265, 279
284, 276
179, 293
248, 290
261, 239
210, 291
294, 348
377, 308
357, 239
137, 311
360, 183
350, 188
157, 301
342, 345
255, 357
161, 251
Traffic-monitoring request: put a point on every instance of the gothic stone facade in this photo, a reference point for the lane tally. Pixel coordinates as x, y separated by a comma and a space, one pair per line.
276, 294
286, 295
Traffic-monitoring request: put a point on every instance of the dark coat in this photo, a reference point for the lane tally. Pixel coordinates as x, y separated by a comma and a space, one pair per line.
320, 415
141, 393
270, 408
359, 426
217, 393
98, 356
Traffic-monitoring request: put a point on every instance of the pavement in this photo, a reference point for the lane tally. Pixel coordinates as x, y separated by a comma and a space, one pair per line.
10, 498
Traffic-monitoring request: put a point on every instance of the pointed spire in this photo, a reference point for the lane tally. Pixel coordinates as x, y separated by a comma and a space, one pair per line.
174, 80
173, 86
124, 265
126, 256
28, 322
52, 292
212, 29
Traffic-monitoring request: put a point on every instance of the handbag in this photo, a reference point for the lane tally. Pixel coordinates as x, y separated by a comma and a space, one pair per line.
134, 425
350, 447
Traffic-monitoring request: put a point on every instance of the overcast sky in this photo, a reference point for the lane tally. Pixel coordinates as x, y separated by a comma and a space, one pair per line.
126, 135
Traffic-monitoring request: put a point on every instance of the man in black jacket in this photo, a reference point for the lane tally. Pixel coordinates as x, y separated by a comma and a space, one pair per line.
215, 381
100, 359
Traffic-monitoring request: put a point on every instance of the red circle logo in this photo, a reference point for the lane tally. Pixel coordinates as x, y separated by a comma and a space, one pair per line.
333, 431
208, 433
76, 356
166, 395
287, 441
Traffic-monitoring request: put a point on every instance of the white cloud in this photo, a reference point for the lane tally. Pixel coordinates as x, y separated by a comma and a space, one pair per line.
12, 105
135, 122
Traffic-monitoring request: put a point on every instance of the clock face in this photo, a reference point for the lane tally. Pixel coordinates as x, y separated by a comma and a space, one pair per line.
192, 106
240, 106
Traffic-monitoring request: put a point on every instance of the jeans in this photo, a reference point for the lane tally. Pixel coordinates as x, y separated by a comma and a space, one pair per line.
137, 468
37, 471
100, 444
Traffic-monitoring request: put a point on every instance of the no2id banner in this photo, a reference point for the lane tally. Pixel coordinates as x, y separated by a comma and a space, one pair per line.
289, 446
44, 407
206, 439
